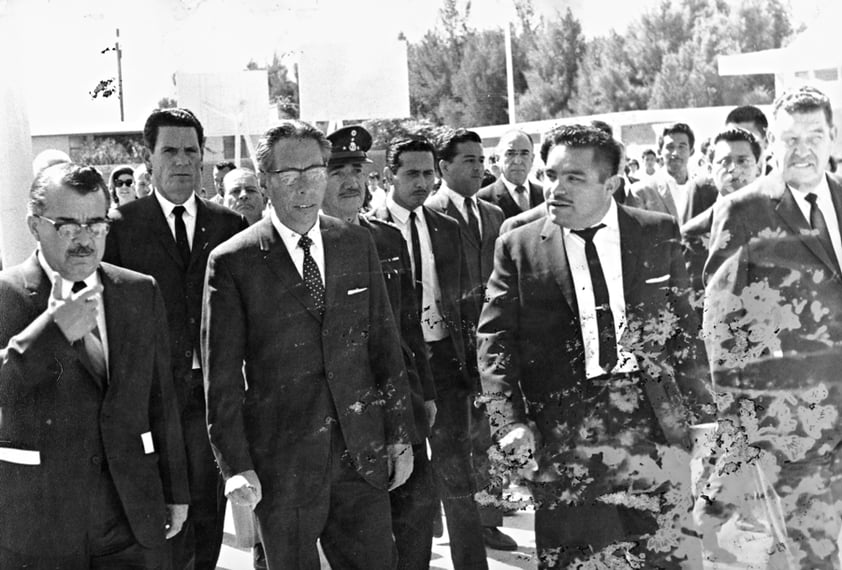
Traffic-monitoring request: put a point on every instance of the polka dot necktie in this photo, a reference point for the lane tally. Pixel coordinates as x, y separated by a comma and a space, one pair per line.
312, 277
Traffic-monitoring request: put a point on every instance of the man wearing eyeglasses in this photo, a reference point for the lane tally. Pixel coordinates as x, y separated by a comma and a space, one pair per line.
513, 192
92, 458
169, 235
319, 429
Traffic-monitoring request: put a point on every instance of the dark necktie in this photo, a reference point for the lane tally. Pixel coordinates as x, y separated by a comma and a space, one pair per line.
473, 223
416, 258
522, 198
819, 225
181, 235
92, 343
312, 277
604, 316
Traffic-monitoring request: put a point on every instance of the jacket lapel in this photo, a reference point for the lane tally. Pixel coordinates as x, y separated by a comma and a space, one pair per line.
792, 216
279, 261
200, 233
37, 283
629, 255
117, 322
552, 241
161, 230
334, 260
452, 211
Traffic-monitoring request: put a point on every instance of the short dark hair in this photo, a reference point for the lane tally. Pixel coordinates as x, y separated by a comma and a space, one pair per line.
175, 117
603, 126
648, 152
674, 129
804, 99
450, 139
606, 150
81, 179
748, 114
411, 143
289, 129
735, 134
634, 162
225, 165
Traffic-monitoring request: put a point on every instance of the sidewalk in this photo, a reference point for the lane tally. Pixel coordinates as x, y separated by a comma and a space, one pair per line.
519, 526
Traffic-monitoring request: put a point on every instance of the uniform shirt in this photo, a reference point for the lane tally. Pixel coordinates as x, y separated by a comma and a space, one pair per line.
432, 322
607, 242
66, 286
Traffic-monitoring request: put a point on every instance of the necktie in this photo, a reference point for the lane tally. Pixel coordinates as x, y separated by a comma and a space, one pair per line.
416, 258
522, 198
312, 277
181, 235
92, 343
818, 223
604, 316
473, 223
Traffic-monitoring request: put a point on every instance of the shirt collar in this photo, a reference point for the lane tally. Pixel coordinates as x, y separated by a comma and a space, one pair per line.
167, 206
398, 212
822, 190
66, 286
610, 219
511, 187
455, 197
291, 237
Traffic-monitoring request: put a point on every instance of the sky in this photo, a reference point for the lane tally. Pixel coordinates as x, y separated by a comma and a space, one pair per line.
56, 44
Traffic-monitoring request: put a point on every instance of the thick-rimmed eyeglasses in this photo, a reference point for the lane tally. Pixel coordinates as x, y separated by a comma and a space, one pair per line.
119, 182
72, 230
290, 176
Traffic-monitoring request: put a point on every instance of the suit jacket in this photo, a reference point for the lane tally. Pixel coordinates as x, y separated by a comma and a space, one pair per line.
307, 375
452, 270
653, 194
397, 273
791, 322
479, 256
531, 355
140, 239
530, 215
69, 424
498, 195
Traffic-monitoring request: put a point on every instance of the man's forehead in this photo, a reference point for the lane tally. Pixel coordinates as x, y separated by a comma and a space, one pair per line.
64, 201
732, 147
296, 152
515, 141
344, 165
677, 137
177, 136
814, 118
416, 160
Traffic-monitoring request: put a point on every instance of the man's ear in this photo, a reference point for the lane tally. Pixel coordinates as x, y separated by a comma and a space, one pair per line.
612, 183
32, 223
443, 166
387, 175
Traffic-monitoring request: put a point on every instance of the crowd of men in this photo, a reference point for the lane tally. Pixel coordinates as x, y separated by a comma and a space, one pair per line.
653, 354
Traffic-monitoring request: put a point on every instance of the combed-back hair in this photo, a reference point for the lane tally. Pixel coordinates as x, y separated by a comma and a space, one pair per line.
411, 143
735, 134
675, 129
80, 179
606, 149
175, 117
288, 129
804, 99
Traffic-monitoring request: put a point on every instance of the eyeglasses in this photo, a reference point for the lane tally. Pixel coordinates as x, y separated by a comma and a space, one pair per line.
120, 182
72, 230
290, 176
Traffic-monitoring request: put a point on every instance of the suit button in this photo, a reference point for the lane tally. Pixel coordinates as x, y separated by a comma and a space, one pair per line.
325, 332
330, 375
192, 321
96, 460
188, 353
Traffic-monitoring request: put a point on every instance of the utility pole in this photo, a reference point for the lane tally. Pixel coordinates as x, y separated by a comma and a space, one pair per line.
510, 79
119, 75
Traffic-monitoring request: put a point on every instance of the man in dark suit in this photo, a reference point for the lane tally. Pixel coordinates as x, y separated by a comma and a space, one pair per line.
773, 324
513, 192
169, 235
585, 344
460, 164
440, 276
320, 428
735, 161
413, 503
91, 455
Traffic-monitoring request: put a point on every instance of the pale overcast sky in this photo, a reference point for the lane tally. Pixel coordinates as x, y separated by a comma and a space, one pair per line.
57, 43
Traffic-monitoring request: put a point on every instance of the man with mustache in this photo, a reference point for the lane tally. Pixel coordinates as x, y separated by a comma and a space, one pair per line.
440, 275
773, 325
589, 362
169, 235
92, 459
243, 194
413, 503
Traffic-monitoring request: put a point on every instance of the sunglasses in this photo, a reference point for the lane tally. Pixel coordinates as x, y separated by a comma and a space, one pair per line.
121, 182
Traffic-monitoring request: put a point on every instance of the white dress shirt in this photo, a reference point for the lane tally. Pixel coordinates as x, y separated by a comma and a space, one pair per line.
189, 215
607, 242
825, 204
66, 287
296, 252
432, 322
461, 204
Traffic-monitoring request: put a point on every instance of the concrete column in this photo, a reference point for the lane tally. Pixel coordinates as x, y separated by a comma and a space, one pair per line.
16, 242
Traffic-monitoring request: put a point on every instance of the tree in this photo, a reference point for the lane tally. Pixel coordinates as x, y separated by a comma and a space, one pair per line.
125, 149
480, 83
283, 91
554, 61
167, 103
